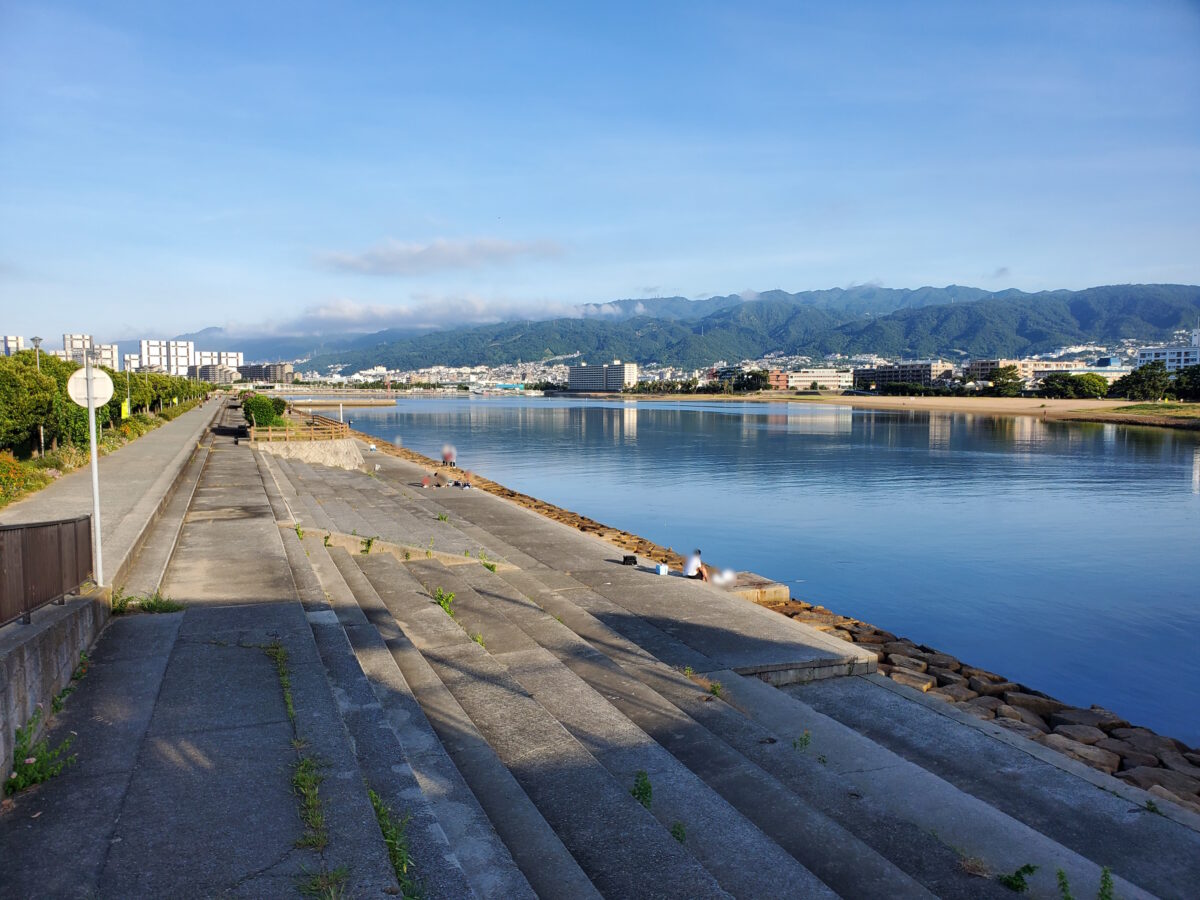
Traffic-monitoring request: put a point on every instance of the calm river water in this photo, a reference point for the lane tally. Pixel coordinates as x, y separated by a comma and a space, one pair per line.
1061, 555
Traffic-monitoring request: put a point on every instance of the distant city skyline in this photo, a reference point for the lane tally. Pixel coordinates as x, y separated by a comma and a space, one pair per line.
307, 168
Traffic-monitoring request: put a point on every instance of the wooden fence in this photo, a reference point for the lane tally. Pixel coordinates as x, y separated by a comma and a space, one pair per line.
316, 428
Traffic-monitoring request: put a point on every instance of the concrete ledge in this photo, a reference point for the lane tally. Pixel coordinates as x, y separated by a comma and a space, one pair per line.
37, 661
353, 544
782, 674
343, 454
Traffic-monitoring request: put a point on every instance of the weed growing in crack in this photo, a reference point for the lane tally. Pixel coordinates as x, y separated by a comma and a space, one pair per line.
35, 763
715, 688
278, 654
801, 743
679, 832
299, 531
1016, 881
443, 599
306, 784
477, 637
642, 792
367, 542
395, 838
442, 517
325, 885
325, 540
157, 603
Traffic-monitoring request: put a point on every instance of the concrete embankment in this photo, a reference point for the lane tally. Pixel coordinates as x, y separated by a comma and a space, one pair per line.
546, 721
1166, 767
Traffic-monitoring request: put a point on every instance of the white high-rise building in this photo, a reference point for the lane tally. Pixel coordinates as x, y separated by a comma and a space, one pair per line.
109, 356
13, 344
1174, 358
131, 361
75, 346
231, 358
173, 357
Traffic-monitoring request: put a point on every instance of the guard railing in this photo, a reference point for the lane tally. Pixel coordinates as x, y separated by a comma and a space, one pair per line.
41, 563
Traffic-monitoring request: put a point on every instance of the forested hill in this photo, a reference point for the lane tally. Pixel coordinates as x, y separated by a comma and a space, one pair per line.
953, 321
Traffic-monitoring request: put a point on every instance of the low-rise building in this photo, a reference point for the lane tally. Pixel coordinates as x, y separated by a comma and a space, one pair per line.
1108, 373
980, 369
826, 379
1174, 358
614, 377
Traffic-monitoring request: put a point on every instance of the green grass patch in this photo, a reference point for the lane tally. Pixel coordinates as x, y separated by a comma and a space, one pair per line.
278, 655
123, 604
395, 838
325, 885
642, 790
306, 784
444, 600
33, 762
1170, 410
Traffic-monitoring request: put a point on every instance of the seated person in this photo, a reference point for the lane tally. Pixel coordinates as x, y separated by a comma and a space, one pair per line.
694, 568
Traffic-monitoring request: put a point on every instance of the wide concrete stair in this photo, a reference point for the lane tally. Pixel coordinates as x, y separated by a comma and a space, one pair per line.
517, 727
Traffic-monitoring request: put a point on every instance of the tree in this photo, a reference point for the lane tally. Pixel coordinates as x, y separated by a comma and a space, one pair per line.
1149, 382
1006, 382
1187, 383
26, 399
1090, 385
1059, 384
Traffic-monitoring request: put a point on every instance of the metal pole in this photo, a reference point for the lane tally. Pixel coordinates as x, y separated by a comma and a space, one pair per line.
37, 354
91, 406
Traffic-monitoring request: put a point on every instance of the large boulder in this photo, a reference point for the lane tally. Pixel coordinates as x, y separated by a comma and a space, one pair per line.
946, 676
1147, 741
959, 693
918, 680
943, 661
1019, 727
1096, 717
1163, 794
1043, 706
908, 662
1174, 760
1031, 719
1131, 758
990, 688
1175, 782
991, 704
1084, 734
1093, 756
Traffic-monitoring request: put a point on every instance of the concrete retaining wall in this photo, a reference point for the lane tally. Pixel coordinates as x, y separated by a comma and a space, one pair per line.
343, 454
36, 662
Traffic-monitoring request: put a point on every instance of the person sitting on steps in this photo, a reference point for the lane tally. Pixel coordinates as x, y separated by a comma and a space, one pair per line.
694, 568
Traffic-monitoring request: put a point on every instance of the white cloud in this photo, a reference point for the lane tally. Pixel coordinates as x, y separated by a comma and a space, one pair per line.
425, 312
392, 257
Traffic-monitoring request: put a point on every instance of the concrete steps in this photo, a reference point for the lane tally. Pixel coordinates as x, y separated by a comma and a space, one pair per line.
562, 675
616, 842
721, 838
1095, 816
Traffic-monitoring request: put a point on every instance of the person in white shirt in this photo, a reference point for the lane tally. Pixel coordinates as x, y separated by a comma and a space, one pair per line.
694, 568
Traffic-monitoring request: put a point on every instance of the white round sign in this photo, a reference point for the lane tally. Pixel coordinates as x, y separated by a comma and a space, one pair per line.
102, 387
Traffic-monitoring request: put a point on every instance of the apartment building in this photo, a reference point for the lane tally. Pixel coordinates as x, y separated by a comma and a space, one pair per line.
172, 357
614, 377
1174, 358
274, 373
12, 344
916, 371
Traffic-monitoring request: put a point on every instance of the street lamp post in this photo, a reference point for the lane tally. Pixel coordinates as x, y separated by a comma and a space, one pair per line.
37, 355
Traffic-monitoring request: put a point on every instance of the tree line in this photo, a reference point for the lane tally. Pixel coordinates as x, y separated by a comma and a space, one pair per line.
31, 399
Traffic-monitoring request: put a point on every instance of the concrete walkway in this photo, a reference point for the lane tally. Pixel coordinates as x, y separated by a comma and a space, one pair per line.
187, 736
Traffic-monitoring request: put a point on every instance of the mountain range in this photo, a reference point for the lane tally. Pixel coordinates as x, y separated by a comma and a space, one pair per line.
953, 322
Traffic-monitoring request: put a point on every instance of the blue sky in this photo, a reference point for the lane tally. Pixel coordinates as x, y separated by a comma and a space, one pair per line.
316, 167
